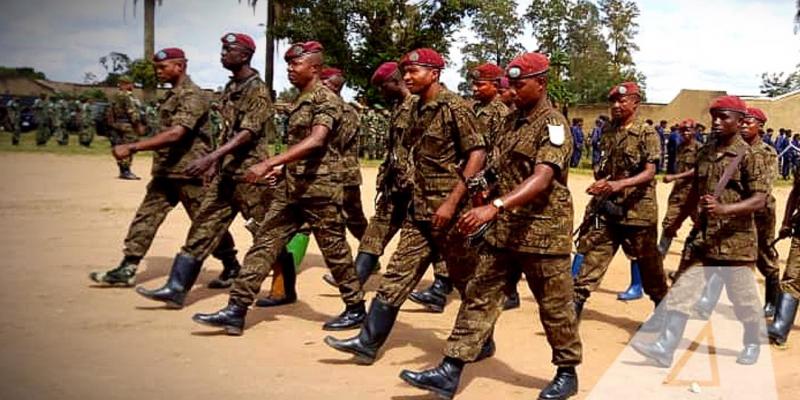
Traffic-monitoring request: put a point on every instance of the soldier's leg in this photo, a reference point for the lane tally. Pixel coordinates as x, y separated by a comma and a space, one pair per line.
158, 200
671, 223
191, 196
353, 210
41, 135
767, 261
597, 245
434, 298
786, 308
550, 281
740, 285
17, 129
639, 243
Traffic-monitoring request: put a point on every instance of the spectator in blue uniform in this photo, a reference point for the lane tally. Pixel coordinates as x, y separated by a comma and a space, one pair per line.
577, 142
673, 142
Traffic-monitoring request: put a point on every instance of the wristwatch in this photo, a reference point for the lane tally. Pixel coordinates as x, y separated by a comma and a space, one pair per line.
499, 204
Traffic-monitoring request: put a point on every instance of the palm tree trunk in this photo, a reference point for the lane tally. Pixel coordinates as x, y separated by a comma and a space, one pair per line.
149, 41
269, 68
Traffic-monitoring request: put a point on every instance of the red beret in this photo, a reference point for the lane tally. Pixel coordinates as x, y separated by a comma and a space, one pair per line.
527, 65
729, 103
241, 39
504, 83
756, 113
302, 49
624, 89
486, 72
384, 72
330, 72
688, 123
170, 53
424, 57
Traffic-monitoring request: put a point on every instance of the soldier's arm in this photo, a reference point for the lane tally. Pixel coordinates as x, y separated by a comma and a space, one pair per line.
754, 179
791, 205
530, 188
162, 139
683, 175
313, 142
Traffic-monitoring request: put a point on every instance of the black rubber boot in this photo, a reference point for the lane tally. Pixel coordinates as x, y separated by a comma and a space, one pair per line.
434, 298
663, 245
771, 291
578, 304
512, 300
289, 274
124, 275
656, 322
662, 350
352, 317
708, 301
126, 174
487, 350
366, 266
563, 386
441, 380
230, 270
182, 276
752, 344
785, 311
373, 335
230, 318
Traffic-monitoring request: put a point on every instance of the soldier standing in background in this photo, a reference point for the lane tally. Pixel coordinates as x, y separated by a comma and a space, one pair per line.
124, 120
85, 123
58, 121
686, 158
41, 109
14, 113
178, 141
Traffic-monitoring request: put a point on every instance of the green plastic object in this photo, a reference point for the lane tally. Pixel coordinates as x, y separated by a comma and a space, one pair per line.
297, 248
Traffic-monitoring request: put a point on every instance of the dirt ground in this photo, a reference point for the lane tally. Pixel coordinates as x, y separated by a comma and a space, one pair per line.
64, 216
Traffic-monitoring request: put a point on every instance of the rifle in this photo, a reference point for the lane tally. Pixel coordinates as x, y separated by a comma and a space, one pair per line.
727, 174
794, 224
479, 189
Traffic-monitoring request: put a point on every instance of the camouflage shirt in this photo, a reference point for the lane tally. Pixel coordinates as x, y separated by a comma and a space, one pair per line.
349, 131
491, 117
184, 106
393, 174
770, 160
442, 133
730, 237
543, 226
684, 161
319, 174
625, 152
246, 105
124, 111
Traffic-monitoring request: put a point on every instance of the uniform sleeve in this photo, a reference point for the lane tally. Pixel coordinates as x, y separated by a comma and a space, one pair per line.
256, 110
552, 153
755, 177
326, 111
191, 109
469, 137
132, 109
652, 146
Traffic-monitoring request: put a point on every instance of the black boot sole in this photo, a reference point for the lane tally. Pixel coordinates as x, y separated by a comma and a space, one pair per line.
220, 284
442, 394
170, 303
270, 302
229, 330
566, 396
343, 328
360, 358
434, 308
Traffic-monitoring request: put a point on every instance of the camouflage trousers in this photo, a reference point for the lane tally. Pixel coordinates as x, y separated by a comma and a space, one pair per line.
162, 195
390, 212
791, 276
354, 217
675, 215
86, 136
550, 281
766, 262
598, 246
282, 221
42, 133
740, 286
224, 198
61, 134
419, 246
16, 129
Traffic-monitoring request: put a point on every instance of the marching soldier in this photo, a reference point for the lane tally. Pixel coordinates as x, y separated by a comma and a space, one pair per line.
85, 123
125, 123
179, 141
623, 210
682, 178
532, 214
729, 186
310, 192
41, 109
443, 134
13, 110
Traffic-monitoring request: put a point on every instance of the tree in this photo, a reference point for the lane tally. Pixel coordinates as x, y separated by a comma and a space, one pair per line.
590, 72
21, 72
619, 17
497, 29
776, 84
288, 95
797, 18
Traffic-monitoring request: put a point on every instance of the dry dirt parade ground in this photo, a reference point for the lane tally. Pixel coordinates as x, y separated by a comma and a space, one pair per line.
64, 216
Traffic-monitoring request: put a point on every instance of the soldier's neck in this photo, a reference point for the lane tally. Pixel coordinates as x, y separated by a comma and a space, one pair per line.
310, 85
242, 73
431, 92
753, 141
178, 81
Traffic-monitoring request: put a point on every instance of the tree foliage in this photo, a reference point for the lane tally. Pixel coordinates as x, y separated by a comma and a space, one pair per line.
21, 72
776, 84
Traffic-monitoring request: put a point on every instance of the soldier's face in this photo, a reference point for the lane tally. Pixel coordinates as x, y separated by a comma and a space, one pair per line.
687, 134
750, 129
391, 89
301, 70
484, 90
623, 107
167, 71
418, 78
234, 56
506, 96
725, 124
527, 92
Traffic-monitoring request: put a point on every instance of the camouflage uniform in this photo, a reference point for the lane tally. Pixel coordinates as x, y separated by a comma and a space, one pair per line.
625, 153
58, 122
85, 124
355, 220
767, 263
183, 106
535, 237
685, 160
41, 108
123, 115
491, 116
311, 193
790, 283
441, 134
723, 240
13, 110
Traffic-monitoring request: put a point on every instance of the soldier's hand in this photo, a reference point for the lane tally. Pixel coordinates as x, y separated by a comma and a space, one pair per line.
475, 218
256, 172
200, 166
443, 215
603, 187
711, 205
121, 151
209, 175
668, 178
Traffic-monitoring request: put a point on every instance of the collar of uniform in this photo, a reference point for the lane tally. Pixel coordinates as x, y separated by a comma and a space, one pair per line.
441, 98
732, 149
186, 83
540, 109
307, 96
236, 85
